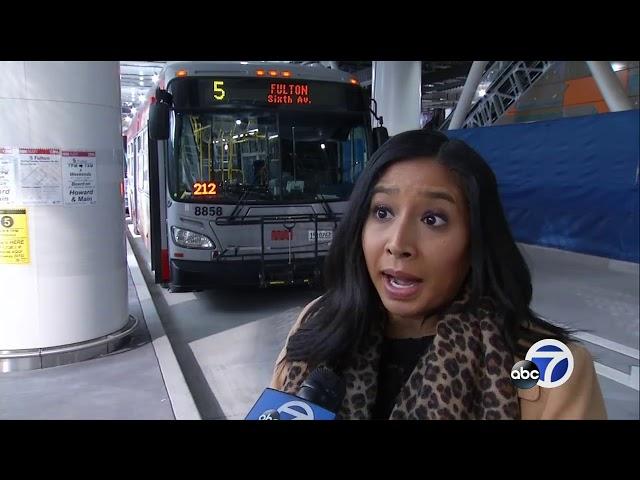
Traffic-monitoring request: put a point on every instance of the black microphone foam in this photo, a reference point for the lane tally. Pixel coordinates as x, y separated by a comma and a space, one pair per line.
324, 388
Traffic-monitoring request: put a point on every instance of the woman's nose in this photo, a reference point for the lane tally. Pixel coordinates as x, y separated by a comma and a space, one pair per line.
401, 243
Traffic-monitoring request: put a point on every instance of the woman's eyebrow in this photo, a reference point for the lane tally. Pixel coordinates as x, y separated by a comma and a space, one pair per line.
438, 194
427, 193
387, 190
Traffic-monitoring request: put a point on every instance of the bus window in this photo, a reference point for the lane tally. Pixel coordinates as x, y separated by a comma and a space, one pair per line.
144, 150
267, 156
359, 154
139, 164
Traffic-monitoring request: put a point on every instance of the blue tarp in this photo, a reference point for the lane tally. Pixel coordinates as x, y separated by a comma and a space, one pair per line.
570, 183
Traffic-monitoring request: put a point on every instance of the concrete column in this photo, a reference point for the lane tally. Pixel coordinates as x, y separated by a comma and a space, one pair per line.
61, 159
397, 89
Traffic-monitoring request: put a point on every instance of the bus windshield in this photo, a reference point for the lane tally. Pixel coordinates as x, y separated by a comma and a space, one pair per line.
265, 156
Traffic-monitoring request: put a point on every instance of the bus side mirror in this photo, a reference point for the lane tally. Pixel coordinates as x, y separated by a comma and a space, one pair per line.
159, 116
380, 135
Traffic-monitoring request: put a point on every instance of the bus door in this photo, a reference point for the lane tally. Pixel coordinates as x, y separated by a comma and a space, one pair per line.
158, 212
134, 180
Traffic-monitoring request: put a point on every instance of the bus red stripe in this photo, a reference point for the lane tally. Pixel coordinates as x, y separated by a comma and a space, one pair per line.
164, 256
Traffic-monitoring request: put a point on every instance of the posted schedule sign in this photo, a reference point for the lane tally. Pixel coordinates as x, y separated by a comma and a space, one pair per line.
14, 236
79, 175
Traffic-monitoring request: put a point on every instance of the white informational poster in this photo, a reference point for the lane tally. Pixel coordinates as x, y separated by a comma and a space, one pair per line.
8, 185
40, 176
79, 177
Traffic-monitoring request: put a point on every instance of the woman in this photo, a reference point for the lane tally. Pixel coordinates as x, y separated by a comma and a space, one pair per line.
426, 308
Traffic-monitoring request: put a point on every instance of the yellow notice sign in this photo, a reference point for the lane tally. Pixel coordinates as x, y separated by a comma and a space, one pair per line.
14, 236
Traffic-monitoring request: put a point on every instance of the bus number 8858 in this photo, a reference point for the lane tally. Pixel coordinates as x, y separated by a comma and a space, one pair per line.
207, 211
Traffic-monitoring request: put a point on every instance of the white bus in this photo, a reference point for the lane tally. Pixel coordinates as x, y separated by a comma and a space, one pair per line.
239, 172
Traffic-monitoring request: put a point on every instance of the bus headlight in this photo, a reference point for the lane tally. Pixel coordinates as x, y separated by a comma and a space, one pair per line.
188, 239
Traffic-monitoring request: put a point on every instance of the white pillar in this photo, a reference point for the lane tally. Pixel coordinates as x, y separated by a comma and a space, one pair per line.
610, 86
469, 89
398, 93
71, 285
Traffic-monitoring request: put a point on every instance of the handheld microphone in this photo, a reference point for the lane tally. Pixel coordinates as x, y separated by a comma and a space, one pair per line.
319, 398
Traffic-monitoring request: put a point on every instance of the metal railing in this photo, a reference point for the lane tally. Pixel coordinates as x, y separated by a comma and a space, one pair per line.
508, 82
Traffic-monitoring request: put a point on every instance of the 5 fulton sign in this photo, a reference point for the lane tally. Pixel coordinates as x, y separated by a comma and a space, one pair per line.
548, 364
289, 93
14, 236
79, 173
7, 176
47, 176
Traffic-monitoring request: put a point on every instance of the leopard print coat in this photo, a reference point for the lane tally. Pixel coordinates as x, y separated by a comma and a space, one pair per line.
464, 374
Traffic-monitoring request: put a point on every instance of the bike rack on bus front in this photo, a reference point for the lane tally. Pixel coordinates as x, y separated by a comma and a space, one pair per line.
289, 222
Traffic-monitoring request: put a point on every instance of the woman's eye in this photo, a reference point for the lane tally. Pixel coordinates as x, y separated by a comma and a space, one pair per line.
434, 220
380, 212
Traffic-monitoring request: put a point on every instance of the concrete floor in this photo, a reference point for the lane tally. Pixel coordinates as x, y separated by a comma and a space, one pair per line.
225, 340
590, 293
125, 385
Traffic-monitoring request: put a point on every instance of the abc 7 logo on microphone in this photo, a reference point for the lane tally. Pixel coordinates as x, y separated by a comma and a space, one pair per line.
548, 363
294, 410
271, 414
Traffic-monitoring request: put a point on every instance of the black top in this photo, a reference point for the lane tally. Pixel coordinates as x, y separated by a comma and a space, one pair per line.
398, 359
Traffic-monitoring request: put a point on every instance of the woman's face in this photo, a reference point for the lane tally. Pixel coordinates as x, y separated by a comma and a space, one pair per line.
416, 237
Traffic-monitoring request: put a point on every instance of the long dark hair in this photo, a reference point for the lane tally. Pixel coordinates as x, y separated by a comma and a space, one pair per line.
335, 325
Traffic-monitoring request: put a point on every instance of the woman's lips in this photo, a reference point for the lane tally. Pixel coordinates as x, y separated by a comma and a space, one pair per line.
400, 275
401, 287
